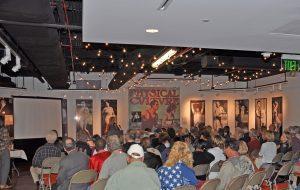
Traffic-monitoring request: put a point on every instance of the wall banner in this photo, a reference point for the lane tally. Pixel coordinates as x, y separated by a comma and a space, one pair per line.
154, 108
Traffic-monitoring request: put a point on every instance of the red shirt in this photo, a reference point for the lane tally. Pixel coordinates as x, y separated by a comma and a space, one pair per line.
97, 160
254, 144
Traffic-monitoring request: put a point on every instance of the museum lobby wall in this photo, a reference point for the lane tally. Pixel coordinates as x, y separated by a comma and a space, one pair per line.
188, 91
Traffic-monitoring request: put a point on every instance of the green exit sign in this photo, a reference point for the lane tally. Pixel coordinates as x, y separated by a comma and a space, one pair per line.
291, 65
290, 62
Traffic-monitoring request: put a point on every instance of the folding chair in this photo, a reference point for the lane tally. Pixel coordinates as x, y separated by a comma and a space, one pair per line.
237, 183
47, 165
210, 184
216, 167
83, 177
201, 171
186, 187
296, 157
277, 159
287, 157
99, 184
255, 180
281, 179
267, 184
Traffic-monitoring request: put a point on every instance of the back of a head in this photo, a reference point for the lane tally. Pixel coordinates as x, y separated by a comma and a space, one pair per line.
206, 134
113, 143
51, 137
218, 141
171, 132
201, 144
180, 152
131, 135
243, 148
146, 143
96, 137
227, 129
297, 130
69, 144
269, 136
163, 137
100, 144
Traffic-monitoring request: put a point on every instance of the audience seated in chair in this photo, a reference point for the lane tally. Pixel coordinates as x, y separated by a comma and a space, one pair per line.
177, 171
234, 166
101, 155
201, 156
74, 162
152, 156
217, 151
47, 150
136, 175
116, 161
267, 151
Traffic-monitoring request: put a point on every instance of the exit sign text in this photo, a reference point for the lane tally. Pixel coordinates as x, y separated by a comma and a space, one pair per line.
291, 64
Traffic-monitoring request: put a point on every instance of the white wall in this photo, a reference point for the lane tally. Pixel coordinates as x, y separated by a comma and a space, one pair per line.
188, 91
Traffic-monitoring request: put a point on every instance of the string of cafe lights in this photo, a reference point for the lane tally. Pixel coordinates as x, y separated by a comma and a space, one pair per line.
235, 74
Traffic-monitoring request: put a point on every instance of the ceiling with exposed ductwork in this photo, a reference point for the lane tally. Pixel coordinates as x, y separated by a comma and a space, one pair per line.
48, 36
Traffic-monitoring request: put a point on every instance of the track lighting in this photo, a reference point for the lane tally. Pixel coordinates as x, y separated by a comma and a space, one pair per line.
17, 67
7, 56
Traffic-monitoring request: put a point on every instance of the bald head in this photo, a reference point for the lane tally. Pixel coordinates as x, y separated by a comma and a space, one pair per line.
69, 144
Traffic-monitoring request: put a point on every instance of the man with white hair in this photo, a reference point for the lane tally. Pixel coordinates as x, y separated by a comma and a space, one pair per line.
136, 175
47, 150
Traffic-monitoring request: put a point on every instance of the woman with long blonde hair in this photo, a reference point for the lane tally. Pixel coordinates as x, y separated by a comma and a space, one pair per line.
177, 171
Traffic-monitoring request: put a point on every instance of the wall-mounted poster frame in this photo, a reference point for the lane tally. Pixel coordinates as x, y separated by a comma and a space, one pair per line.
197, 113
220, 113
241, 113
260, 113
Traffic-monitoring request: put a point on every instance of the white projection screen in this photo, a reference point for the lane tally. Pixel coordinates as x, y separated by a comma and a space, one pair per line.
34, 117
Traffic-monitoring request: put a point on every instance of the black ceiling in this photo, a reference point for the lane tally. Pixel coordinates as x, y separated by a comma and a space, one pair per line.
49, 36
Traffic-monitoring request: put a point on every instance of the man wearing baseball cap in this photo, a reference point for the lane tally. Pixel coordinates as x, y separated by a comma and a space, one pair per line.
136, 175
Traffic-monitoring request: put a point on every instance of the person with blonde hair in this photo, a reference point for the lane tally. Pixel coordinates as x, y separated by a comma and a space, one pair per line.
267, 151
243, 148
217, 151
177, 171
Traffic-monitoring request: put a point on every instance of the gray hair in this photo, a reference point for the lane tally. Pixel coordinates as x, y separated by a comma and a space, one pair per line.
113, 143
51, 137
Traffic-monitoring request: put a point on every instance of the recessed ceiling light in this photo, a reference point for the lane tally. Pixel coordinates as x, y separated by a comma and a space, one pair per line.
205, 20
151, 30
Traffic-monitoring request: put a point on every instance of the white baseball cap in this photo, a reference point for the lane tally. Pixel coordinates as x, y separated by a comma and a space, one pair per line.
136, 151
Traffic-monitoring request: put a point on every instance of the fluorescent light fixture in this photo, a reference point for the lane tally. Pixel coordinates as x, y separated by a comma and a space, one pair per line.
7, 56
164, 58
152, 30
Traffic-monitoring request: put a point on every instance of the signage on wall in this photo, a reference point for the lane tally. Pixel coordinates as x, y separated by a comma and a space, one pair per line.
290, 63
